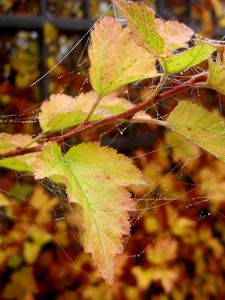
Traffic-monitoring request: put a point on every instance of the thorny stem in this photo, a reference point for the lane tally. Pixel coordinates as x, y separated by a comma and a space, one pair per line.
156, 96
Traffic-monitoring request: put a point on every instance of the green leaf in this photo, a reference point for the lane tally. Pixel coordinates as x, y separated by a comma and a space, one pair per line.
95, 178
116, 59
21, 191
181, 148
216, 79
20, 163
63, 111
200, 127
187, 59
141, 20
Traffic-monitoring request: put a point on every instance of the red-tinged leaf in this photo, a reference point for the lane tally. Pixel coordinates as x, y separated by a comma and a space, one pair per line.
63, 111
10, 142
95, 178
116, 59
175, 34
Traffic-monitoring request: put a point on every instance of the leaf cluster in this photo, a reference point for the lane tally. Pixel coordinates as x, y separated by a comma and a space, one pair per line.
97, 178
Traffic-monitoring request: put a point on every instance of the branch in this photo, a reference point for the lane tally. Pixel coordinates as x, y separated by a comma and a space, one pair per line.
114, 119
143, 106
22, 151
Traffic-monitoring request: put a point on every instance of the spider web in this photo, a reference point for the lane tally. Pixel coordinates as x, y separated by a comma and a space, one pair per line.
191, 200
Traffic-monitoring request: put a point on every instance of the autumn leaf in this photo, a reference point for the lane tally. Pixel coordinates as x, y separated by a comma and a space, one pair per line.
187, 59
3, 200
43, 204
95, 178
21, 282
141, 20
10, 142
183, 150
37, 239
218, 7
116, 59
164, 250
145, 277
63, 111
20, 163
216, 77
96, 292
199, 126
175, 34
213, 187
152, 224
50, 33
179, 226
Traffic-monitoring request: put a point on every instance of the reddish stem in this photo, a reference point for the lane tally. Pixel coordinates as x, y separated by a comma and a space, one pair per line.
113, 119
132, 111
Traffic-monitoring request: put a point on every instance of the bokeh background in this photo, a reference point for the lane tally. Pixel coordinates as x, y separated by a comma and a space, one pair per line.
176, 250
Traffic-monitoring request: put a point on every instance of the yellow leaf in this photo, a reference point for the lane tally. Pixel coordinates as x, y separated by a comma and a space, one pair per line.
145, 278
162, 251
50, 33
31, 251
141, 19
116, 59
200, 127
63, 111
216, 77
95, 178
211, 179
152, 224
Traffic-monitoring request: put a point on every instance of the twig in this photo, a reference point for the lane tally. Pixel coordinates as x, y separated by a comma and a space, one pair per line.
133, 110
116, 118
85, 121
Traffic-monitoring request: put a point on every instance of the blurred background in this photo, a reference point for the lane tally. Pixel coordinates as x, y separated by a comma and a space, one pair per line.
176, 250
